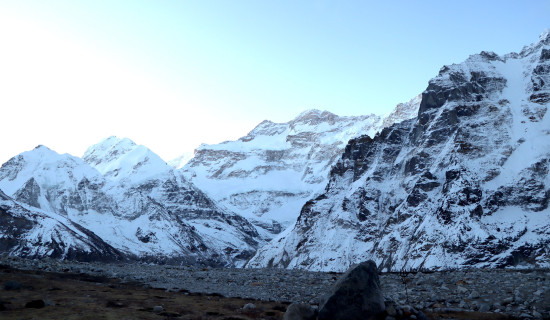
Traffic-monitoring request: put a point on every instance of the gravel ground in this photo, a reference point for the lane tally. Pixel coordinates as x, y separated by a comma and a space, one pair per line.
522, 293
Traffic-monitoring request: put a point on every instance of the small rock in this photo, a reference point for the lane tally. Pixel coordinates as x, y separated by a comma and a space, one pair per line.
474, 295
484, 307
49, 303
537, 314
158, 309
299, 311
114, 304
37, 304
249, 306
507, 301
461, 289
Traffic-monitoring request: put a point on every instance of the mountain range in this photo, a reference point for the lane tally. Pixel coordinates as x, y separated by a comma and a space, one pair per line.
122, 201
456, 177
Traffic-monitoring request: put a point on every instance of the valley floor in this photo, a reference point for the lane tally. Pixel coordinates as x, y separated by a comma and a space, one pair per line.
73, 290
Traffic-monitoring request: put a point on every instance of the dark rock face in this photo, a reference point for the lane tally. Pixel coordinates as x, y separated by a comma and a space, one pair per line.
356, 295
541, 79
29, 194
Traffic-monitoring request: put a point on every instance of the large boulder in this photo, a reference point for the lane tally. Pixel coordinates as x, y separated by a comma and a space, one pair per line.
356, 295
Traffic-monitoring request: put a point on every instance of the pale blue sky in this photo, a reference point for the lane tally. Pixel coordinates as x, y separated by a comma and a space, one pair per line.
173, 74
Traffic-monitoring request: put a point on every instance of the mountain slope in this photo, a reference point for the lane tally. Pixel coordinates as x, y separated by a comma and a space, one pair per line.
34, 233
466, 183
269, 174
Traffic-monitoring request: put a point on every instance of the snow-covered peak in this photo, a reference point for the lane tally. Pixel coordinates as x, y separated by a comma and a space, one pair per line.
118, 159
543, 41
109, 148
46, 166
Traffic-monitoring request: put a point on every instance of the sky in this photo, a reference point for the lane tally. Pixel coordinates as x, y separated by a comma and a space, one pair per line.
174, 74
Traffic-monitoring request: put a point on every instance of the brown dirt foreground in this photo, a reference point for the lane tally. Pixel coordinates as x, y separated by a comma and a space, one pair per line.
81, 296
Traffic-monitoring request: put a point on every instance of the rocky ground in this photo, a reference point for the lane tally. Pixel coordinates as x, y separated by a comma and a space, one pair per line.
133, 291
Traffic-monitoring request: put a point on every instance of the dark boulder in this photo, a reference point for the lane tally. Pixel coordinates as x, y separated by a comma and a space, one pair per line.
36, 304
356, 295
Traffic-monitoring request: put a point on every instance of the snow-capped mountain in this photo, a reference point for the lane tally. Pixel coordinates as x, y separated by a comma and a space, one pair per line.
33, 233
466, 183
268, 175
134, 169
132, 200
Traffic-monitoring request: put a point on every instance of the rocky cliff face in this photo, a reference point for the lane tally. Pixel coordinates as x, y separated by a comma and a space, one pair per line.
465, 184
130, 198
269, 174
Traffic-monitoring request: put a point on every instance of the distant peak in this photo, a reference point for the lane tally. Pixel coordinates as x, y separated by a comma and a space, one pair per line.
314, 114
113, 140
43, 149
108, 145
